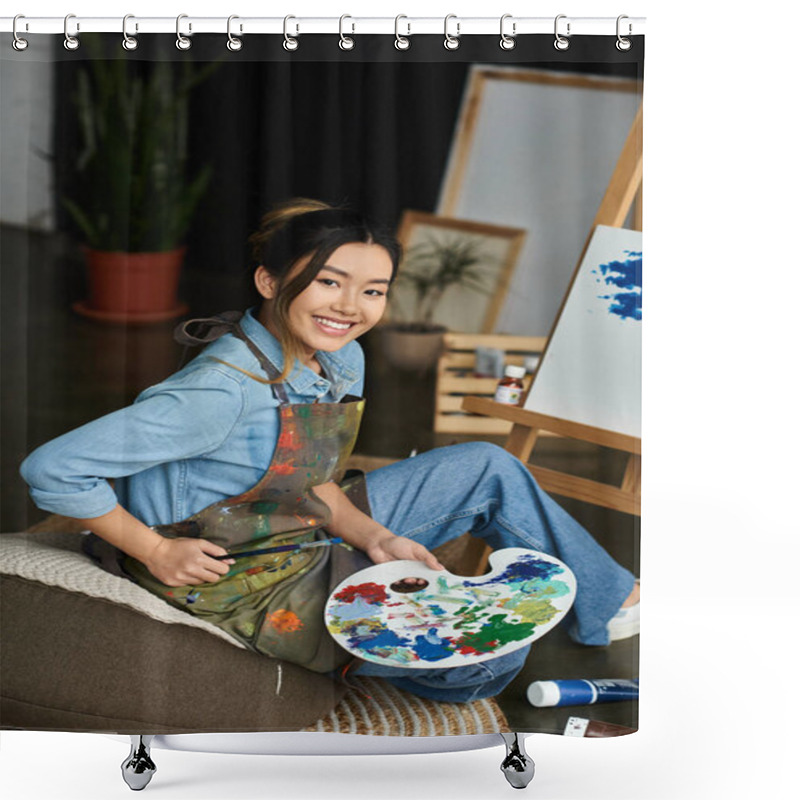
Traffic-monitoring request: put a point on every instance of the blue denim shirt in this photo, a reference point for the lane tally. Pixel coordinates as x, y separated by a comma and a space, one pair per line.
206, 433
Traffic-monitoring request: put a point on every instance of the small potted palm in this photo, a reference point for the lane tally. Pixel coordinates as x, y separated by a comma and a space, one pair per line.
440, 262
129, 192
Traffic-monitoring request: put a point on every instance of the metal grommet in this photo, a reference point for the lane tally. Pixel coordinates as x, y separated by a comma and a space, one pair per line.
451, 42
507, 42
182, 42
234, 44
19, 44
129, 42
346, 42
561, 42
290, 43
401, 42
71, 42
623, 43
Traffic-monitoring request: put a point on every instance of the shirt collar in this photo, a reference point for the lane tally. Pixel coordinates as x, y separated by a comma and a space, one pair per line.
339, 373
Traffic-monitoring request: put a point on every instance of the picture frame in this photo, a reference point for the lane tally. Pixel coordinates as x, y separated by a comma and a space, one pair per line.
471, 305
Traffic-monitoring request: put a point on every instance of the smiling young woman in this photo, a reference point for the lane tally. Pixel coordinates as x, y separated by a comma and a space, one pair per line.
245, 447
344, 300
305, 245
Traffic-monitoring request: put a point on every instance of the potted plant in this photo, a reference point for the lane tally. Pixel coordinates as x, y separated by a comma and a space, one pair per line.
129, 191
441, 261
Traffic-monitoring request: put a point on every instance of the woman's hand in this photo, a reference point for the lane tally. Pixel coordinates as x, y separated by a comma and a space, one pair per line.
175, 562
186, 562
397, 548
361, 531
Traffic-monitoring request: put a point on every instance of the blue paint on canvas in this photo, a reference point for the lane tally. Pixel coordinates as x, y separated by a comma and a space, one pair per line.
625, 276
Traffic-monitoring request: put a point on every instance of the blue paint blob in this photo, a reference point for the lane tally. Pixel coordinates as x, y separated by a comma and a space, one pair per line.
431, 648
525, 568
627, 276
376, 639
358, 609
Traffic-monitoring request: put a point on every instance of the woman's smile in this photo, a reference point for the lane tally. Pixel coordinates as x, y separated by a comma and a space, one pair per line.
331, 326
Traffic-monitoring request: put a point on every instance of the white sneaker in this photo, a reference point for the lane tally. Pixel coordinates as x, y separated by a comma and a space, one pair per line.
625, 623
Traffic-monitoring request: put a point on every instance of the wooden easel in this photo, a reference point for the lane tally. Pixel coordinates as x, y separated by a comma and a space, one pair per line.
622, 189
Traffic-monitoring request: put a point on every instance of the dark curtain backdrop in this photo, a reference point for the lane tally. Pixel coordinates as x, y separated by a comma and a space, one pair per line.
371, 127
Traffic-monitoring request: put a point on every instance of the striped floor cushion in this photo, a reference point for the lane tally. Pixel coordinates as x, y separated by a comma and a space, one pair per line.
375, 707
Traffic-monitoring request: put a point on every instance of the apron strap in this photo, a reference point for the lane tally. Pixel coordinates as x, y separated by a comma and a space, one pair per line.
201, 331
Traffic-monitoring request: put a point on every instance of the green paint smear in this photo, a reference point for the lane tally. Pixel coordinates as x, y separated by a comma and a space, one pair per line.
495, 633
264, 507
536, 611
470, 615
264, 510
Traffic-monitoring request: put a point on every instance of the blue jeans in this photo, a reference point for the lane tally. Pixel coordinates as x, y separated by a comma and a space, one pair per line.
479, 487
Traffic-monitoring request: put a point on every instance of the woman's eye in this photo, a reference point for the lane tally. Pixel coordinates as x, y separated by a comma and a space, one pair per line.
328, 282
375, 293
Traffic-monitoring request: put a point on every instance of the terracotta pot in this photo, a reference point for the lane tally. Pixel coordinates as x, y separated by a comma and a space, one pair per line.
412, 350
133, 287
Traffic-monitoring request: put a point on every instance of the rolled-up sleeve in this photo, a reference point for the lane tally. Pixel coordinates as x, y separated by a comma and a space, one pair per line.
187, 416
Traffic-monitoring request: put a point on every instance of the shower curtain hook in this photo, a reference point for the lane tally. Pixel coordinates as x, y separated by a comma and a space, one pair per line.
129, 42
561, 42
234, 44
182, 42
401, 42
346, 42
290, 43
507, 42
623, 43
19, 44
451, 42
71, 42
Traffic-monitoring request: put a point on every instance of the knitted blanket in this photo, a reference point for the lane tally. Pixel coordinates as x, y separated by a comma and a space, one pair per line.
56, 559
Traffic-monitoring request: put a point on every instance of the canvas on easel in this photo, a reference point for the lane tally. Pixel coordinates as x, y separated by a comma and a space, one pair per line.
591, 371
609, 272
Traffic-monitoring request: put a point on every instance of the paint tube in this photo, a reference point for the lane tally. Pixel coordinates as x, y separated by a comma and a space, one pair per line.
581, 692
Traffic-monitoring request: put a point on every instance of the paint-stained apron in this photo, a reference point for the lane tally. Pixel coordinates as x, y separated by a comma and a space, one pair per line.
274, 604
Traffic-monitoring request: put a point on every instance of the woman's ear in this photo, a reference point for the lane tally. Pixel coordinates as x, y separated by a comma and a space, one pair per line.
266, 283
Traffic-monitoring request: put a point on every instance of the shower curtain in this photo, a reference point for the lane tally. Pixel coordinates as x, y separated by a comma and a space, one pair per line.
153, 163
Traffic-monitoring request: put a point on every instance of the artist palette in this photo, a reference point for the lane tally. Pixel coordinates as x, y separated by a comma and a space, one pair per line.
446, 620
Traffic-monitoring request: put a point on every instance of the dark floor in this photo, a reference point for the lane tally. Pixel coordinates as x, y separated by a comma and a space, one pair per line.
60, 370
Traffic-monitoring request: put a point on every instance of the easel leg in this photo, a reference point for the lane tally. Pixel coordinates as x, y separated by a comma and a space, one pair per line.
518, 766
138, 768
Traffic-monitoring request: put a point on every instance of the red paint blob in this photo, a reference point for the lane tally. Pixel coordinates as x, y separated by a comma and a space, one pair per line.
372, 593
283, 469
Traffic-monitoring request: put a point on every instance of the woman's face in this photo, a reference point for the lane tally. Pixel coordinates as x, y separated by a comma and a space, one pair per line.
345, 299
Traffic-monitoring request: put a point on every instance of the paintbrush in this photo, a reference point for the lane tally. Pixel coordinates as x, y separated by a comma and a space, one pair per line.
283, 548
